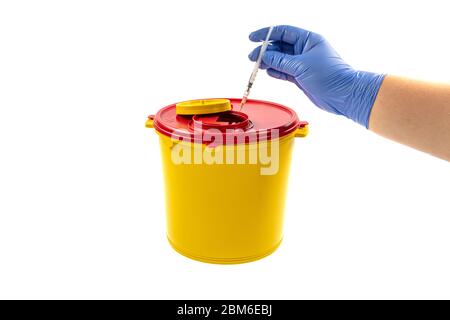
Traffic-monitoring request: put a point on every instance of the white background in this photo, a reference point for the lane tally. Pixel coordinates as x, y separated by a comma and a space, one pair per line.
81, 198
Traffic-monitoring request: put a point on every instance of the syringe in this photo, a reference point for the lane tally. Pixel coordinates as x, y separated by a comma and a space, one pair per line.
256, 68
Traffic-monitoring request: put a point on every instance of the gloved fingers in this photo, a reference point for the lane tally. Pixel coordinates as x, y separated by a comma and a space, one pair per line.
280, 75
263, 66
288, 34
275, 46
255, 52
282, 62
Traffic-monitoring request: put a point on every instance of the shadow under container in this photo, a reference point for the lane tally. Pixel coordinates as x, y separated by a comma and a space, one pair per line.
226, 176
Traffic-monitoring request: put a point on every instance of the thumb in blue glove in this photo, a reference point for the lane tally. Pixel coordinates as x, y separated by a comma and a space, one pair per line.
308, 60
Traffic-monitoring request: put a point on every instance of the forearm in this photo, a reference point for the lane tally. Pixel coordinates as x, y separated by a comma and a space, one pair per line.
414, 113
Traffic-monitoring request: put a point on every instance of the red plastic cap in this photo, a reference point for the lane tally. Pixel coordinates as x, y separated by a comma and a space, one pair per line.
257, 121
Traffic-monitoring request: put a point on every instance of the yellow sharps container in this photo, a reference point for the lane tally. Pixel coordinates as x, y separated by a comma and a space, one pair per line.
226, 175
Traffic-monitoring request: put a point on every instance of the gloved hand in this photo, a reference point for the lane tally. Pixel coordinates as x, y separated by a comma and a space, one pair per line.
307, 59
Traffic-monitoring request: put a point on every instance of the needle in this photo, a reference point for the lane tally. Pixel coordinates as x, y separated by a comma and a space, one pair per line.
256, 68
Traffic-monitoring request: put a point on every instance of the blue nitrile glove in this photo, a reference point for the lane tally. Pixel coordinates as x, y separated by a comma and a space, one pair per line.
308, 60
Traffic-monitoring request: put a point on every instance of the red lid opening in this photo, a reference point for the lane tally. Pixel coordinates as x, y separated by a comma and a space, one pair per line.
222, 121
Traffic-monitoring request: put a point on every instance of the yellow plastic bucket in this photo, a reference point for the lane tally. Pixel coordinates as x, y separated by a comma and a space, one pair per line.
225, 202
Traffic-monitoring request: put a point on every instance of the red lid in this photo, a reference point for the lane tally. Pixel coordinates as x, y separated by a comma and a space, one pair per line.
258, 121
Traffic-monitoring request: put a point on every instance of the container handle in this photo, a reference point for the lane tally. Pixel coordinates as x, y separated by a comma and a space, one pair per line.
302, 130
149, 122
